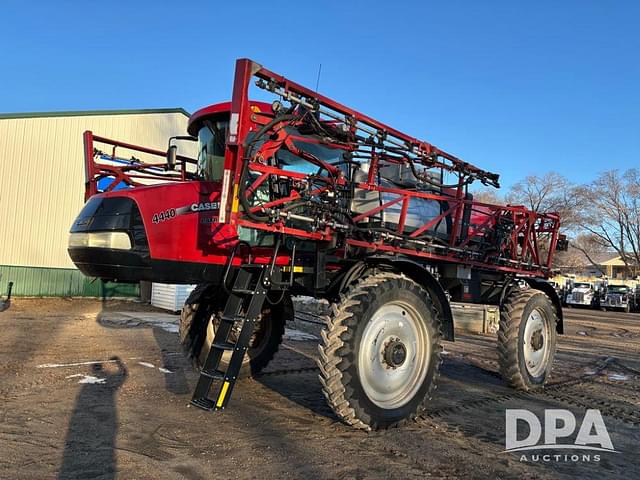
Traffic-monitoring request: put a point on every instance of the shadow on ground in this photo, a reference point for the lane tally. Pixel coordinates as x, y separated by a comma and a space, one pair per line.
89, 449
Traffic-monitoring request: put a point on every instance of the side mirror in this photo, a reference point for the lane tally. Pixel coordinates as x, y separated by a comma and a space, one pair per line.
172, 154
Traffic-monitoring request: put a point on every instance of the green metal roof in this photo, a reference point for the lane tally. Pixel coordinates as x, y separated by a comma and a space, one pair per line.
84, 113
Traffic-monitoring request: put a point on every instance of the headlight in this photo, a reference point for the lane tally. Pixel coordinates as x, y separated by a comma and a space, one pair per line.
116, 240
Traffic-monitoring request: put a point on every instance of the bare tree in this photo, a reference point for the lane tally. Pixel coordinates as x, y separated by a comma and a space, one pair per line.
549, 193
487, 195
612, 213
585, 245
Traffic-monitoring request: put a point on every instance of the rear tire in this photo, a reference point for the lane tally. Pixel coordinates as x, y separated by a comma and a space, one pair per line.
380, 352
205, 303
527, 339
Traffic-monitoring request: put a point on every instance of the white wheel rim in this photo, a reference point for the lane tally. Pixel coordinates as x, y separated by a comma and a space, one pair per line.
386, 384
226, 356
211, 333
536, 343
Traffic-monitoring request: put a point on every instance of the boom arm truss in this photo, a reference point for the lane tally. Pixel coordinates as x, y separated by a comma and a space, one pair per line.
312, 206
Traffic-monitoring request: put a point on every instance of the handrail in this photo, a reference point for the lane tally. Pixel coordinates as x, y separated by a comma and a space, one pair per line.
128, 172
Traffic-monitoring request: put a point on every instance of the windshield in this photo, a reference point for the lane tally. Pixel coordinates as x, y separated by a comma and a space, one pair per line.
618, 289
581, 285
211, 142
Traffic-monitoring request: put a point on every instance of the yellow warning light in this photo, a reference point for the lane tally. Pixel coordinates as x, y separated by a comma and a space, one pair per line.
255, 109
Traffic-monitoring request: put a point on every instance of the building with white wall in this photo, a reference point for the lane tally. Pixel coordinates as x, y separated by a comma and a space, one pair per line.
42, 190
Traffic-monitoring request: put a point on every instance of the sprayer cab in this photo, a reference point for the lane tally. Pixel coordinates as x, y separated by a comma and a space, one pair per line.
154, 215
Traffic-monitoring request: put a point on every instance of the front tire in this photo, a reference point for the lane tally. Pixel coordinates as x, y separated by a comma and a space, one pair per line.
380, 352
201, 313
527, 339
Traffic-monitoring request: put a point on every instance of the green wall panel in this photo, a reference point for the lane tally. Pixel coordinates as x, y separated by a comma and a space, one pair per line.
60, 282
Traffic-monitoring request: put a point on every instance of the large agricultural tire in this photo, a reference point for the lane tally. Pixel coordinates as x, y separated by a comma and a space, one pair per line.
206, 303
527, 339
380, 352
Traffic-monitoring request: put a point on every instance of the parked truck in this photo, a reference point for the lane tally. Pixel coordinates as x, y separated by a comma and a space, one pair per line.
306, 196
620, 297
583, 294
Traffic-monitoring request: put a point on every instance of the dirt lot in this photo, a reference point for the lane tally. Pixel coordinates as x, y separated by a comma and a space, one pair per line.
127, 415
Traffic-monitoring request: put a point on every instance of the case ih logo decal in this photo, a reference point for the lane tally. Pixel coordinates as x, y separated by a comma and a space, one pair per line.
192, 208
205, 206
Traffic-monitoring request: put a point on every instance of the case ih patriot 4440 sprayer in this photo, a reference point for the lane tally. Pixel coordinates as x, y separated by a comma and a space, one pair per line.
305, 196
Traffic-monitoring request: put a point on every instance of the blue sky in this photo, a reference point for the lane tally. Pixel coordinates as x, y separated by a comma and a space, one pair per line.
513, 87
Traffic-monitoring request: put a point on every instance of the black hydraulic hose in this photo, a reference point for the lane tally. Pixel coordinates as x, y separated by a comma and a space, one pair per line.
248, 147
267, 127
245, 166
243, 176
243, 199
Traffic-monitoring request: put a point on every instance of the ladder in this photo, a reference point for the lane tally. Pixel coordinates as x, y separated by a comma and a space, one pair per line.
243, 307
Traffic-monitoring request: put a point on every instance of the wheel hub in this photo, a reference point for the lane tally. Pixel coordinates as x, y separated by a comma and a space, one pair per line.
395, 353
536, 347
537, 340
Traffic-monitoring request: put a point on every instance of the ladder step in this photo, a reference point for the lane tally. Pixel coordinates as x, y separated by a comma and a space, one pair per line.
252, 266
215, 375
203, 403
243, 291
242, 309
224, 345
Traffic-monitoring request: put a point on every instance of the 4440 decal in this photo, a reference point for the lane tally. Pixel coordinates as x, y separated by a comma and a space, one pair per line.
192, 208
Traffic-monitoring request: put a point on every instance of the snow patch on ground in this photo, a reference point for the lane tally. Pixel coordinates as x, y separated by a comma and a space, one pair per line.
169, 327
87, 378
58, 365
165, 321
298, 335
310, 305
618, 376
92, 379
164, 370
584, 334
306, 300
147, 364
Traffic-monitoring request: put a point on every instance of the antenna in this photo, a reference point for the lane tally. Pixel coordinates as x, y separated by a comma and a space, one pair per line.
318, 79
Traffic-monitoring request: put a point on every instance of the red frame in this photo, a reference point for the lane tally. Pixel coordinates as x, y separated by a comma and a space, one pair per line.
126, 173
520, 252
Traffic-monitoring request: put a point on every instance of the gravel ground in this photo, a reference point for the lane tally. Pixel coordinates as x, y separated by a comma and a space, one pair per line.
90, 392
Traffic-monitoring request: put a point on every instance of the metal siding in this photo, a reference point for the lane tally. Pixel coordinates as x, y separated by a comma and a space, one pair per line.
59, 282
42, 177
